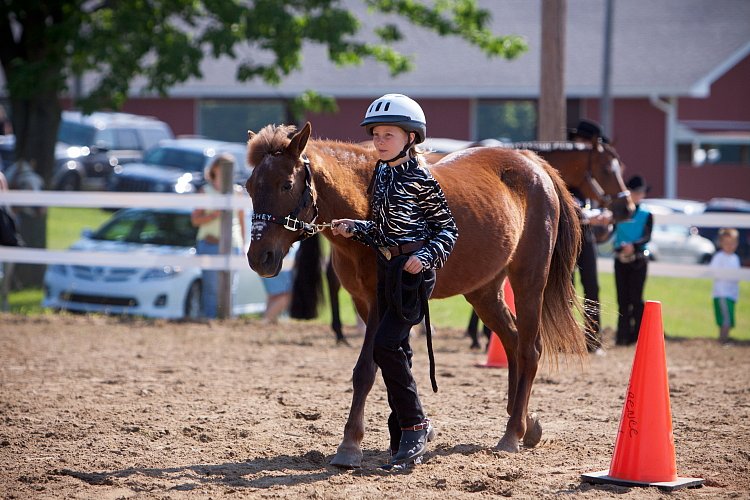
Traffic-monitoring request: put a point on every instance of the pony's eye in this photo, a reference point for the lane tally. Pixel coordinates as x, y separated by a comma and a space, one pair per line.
287, 186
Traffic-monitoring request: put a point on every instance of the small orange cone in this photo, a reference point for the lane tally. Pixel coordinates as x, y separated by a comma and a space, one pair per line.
644, 450
496, 357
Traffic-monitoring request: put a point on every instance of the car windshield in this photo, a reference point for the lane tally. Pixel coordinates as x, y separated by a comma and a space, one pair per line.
76, 134
148, 227
189, 161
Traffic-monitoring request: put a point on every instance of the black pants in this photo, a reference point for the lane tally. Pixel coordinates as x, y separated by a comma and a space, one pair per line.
630, 278
392, 353
586, 264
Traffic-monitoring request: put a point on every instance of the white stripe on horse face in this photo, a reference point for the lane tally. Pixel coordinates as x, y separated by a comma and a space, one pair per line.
616, 166
256, 231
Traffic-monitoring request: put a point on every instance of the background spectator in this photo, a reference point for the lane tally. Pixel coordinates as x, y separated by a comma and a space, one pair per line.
726, 291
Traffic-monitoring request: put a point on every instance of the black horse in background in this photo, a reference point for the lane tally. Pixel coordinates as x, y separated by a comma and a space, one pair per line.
307, 289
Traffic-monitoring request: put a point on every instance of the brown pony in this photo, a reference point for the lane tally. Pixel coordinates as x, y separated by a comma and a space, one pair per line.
515, 218
594, 170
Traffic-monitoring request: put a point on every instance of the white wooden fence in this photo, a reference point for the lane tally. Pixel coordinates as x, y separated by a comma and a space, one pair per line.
234, 262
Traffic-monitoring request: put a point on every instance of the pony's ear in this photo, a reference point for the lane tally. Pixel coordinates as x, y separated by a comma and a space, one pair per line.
250, 135
299, 140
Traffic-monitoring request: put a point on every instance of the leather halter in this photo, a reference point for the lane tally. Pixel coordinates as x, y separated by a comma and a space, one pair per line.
291, 222
603, 198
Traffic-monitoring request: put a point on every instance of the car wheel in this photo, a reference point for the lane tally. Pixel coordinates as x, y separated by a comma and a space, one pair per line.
193, 301
70, 182
705, 259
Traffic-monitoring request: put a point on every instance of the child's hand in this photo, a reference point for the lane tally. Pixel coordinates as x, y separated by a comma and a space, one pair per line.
413, 265
342, 227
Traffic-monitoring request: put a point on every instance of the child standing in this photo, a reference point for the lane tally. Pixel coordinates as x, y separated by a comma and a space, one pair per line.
726, 291
415, 231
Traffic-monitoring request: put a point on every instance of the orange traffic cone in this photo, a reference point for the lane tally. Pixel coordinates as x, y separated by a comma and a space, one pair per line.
644, 450
496, 357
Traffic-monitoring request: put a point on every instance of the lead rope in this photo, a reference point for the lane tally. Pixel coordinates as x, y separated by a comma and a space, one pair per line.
428, 334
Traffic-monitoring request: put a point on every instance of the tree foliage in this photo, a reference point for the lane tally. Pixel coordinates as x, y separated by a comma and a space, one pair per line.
45, 45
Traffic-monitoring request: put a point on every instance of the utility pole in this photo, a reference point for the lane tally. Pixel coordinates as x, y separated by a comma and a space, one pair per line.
605, 115
552, 74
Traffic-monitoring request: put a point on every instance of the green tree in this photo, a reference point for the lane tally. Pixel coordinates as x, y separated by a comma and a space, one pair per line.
45, 44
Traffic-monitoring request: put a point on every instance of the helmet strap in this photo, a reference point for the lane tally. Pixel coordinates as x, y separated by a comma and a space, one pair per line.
406, 149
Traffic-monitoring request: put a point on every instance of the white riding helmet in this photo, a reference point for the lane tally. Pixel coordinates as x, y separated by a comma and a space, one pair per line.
399, 110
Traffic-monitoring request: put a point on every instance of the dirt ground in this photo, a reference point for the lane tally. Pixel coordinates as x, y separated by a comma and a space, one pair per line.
112, 408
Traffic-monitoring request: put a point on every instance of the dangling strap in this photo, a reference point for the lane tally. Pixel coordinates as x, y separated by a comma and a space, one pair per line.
412, 314
428, 334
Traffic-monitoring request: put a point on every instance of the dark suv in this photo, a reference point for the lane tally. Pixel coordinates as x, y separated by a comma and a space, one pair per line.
90, 146
177, 166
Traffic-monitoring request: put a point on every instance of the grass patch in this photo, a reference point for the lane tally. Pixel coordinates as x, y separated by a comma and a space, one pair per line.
26, 301
64, 224
687, 307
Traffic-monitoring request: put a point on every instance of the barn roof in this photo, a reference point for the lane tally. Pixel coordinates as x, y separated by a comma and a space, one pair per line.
667, 47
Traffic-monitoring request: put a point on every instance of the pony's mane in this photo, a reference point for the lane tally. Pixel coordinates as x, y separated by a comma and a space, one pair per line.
271, 139
550, 146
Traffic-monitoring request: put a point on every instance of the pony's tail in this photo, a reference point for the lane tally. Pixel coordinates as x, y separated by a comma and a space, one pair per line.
307, 288
560, 331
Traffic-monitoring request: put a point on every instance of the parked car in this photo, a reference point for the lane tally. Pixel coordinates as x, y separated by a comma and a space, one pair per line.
90, 146
170, 292
729, 205
676, 205
680, 244
673, 242
176, 166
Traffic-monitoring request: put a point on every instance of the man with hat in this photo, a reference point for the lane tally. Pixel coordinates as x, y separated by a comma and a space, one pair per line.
592, 221
631, 263
587, 131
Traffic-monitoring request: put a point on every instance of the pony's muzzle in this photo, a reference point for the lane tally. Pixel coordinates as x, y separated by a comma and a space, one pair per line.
266, 263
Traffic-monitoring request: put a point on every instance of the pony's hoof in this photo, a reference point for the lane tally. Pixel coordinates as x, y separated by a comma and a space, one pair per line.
508, 443
343, 341
347, 458
533, 431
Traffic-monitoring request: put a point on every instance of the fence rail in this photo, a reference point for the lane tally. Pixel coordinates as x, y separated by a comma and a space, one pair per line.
234, 262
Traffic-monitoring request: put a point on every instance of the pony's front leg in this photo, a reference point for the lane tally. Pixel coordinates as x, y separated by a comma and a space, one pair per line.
349, 453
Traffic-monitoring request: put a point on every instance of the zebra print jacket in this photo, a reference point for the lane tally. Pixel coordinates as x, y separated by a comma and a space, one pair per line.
408, 205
